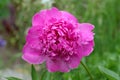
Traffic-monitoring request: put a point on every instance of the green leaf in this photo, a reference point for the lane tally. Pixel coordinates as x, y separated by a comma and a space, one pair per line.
34, 74
108, 73
13, 78
48, 76
3, 3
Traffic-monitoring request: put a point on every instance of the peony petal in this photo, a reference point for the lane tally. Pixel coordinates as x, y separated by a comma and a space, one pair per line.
34, 33
44, 16
34, 37
57, 65
87, 48
68, 16
39, 18
86, 27
55, 11
86, 31
74, 61
32, 56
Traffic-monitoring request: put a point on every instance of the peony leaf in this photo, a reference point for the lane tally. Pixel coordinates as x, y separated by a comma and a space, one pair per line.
47, 76
108, 73
13, 78
34, 73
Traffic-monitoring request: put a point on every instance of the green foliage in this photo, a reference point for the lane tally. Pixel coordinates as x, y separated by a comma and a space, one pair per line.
13, 78
34, 74
109, 74
3, 11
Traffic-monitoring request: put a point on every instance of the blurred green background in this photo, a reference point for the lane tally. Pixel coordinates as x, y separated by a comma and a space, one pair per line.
15, 19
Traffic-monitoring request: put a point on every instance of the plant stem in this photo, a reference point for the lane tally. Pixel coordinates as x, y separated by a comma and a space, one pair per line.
87, 70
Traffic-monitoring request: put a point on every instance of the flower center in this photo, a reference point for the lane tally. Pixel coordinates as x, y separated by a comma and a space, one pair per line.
60, 39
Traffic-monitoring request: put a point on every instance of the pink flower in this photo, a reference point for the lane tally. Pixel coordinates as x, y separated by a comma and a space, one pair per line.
57, 38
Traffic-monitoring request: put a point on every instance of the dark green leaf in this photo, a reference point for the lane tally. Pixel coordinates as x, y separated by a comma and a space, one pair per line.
3, 3
13, 78
109, 74
34, 73
48, 76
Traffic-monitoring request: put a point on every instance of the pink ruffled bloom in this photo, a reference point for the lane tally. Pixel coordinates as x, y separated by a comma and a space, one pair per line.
57, 38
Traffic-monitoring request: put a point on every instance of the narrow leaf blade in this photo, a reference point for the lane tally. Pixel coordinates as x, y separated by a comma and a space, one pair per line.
13, 78
34, 73
108, 73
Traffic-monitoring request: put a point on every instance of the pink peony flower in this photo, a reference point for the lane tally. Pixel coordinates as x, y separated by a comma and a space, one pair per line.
57, 38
